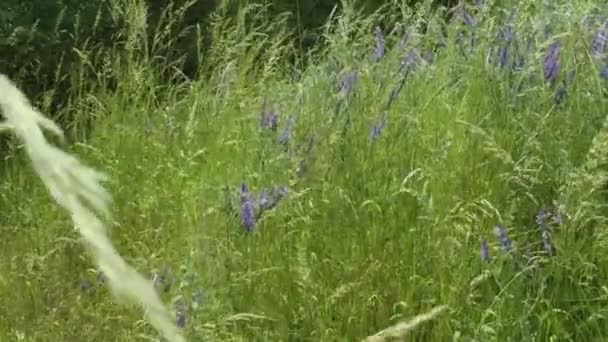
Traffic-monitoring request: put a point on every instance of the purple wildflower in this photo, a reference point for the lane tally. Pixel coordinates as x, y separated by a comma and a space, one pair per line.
379, 53
378, 127
247, 209
280, 192
604, 72
546, 241
410, 61
180, 315
542, 216
301, 168
562, 91
506, 37
551, 63
269, 119
404, 40
84, 285
163, 280
265, 201
556, 217
598, 46
484, 251
501, 233
101, 277
283, 138
348, 82
197, 297
464, 16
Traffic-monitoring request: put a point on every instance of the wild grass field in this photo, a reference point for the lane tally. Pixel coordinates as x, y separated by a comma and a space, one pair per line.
410, 163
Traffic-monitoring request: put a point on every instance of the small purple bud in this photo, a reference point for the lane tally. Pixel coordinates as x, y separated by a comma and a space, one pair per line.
269, 120
264, 200
180, 315
101, 278
378, 127
604, 72
379, 53
501, 233
551, 64
404, 40
557, 217
464, 16
410, 61
348, 82
301, 168
546, 241
84, 285
541, 216
163, 280
197, 297
598, 46
484, 251
283, 138
247, 209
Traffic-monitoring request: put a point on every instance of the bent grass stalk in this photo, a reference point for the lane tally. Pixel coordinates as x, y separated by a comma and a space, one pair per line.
77, 189
400, 330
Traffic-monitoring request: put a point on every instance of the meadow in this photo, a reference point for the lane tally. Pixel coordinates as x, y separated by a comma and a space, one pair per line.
411, 163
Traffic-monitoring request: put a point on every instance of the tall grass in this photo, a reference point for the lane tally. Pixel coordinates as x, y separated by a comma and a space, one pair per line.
355, 212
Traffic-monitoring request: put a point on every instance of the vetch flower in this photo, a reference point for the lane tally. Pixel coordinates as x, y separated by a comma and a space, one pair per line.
180, 314
163, 280
501, 234
197, 298
545, 237
411, 60
378, 127
379, 53
551, 62
541, 216
484, 251
348, 82
84, 285
562, 91
604, 72
506, 36
247, 209
269, 119
598, 46
283, 138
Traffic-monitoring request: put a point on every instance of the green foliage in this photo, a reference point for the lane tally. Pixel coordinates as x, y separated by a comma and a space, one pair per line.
372, 232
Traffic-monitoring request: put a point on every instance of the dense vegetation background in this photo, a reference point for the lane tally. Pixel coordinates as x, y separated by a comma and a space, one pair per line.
41, 40
285, 171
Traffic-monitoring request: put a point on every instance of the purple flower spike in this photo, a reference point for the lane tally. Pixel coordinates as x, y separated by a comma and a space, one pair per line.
484, 251
269, 120
378, 127
598, 46
265, 201
546, 241
247, 209
379, 53
501, 233
551, 63
410, 61
604, 72
464, 16
505, 36
283, 138
542, 216
180, 315
348, 82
